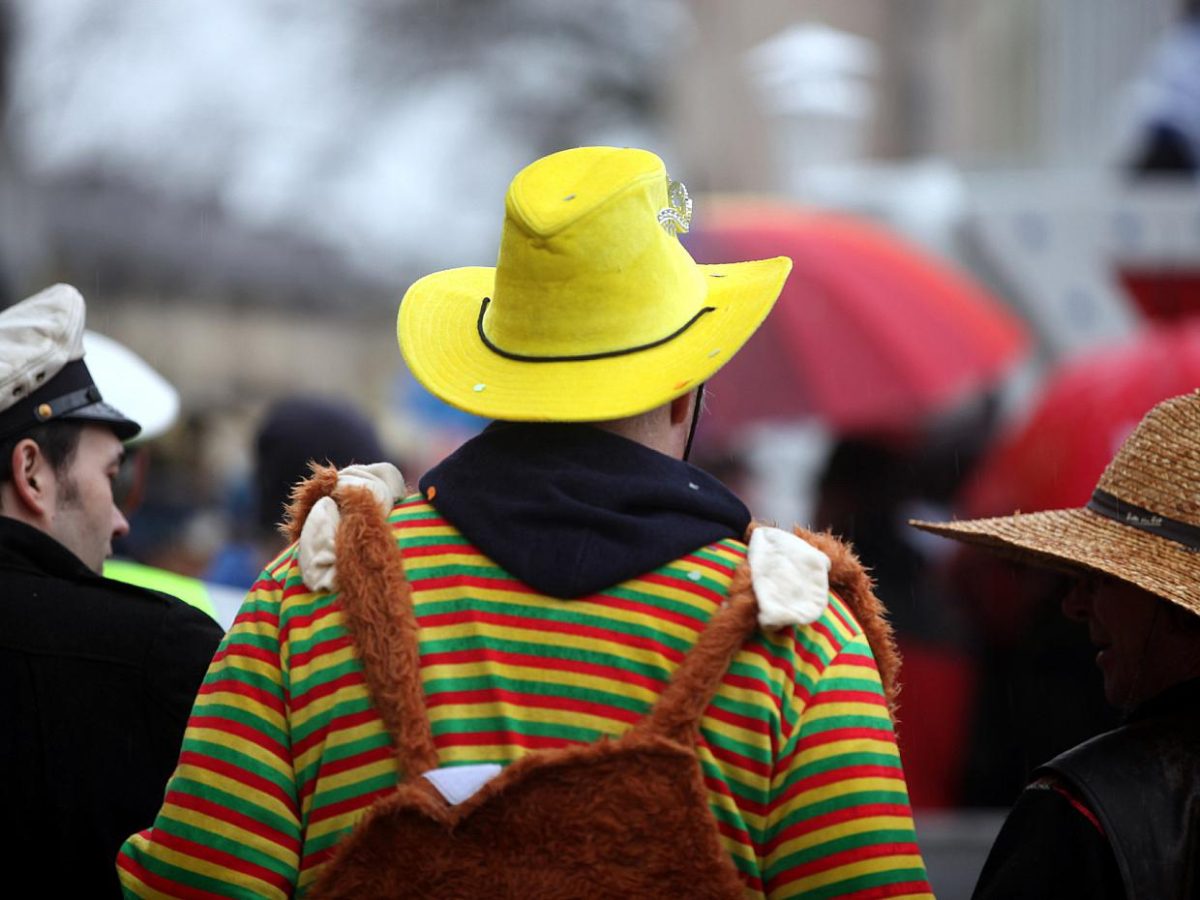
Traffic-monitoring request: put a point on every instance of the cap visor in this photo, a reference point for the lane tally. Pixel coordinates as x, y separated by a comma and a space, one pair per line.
103, 414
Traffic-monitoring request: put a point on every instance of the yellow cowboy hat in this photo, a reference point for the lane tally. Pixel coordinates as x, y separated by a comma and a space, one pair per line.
594, 310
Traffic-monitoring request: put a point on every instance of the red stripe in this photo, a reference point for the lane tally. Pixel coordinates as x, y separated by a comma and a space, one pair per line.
235, 686
737, 760
521, 624
836, 735
309, 619
500, 739
251, 616
239, 650
321, 648
839, 775
170, 888
695, 588
529, 701
242, 732
343, 722
836, 817
839, 696
324, 689
573, 666
835, 609
355, 761
215, 857
349, 805
241, 775
237, 819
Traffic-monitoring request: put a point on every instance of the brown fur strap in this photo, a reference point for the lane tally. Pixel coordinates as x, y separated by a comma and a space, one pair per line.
677, 713
850, 581
376, 599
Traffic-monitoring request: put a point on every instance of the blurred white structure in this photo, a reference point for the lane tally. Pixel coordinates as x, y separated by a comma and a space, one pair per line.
815, 83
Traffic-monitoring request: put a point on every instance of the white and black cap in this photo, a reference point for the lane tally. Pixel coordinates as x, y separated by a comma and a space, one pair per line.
43, 377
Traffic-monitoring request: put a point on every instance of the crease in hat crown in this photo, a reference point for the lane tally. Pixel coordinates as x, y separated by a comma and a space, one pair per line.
1158, 465
40, 335
594, 309
589, 217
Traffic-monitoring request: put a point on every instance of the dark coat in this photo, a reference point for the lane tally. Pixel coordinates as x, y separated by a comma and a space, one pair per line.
98, 679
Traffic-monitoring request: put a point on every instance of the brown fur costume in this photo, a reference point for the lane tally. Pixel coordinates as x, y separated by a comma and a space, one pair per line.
624, 817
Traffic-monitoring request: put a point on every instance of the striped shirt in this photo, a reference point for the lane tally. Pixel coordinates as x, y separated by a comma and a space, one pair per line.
284, 750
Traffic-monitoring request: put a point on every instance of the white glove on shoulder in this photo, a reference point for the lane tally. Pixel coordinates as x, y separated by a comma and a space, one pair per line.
318, 536
790, 578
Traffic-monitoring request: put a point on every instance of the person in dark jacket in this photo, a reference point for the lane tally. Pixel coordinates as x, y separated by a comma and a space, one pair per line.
1119, 815
98, 676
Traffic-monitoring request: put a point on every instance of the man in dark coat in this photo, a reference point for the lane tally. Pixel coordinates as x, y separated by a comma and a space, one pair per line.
1119, 815
98, 676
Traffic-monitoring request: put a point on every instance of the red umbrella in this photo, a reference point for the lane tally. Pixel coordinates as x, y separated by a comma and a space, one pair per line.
870, 333
1087, 407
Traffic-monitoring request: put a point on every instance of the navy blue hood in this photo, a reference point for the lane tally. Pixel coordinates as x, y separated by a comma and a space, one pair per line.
572, 509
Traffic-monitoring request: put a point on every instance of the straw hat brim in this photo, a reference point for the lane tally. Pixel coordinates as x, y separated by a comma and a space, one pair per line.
438, 332
1079, 539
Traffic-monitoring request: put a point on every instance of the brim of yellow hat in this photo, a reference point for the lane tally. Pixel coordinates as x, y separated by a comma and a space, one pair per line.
439, 338
1079, 540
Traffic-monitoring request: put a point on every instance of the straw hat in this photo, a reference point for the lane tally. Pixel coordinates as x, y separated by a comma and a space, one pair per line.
594, 310
1142, 524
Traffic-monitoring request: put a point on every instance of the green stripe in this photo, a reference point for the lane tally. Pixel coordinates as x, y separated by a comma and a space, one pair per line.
561, 614
201, 790
302, 731
832, 763
836, 722
321, 799
172, 873
323, 676
480, 725
243, 717
528, 688
226, 754
547, 651
335, 753
204, 837
838, 804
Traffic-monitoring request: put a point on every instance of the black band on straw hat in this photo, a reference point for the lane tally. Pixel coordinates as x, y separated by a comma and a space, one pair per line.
1111, 507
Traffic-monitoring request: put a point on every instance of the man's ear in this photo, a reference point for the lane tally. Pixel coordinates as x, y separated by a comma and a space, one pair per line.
681, 408
32, 478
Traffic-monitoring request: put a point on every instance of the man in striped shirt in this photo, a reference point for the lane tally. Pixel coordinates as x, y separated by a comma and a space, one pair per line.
561, 564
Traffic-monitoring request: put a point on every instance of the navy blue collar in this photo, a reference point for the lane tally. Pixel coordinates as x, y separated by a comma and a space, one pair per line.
571, 509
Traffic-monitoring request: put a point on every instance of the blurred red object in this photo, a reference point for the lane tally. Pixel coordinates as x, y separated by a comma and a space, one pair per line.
870, 333
1163, 294
1054, 457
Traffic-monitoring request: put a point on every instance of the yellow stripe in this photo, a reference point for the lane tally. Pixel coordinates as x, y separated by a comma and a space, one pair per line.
836, 748
849, 786
857, 870
844, 829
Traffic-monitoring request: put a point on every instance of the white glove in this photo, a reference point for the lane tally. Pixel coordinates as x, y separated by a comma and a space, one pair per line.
790, 578
318, 536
